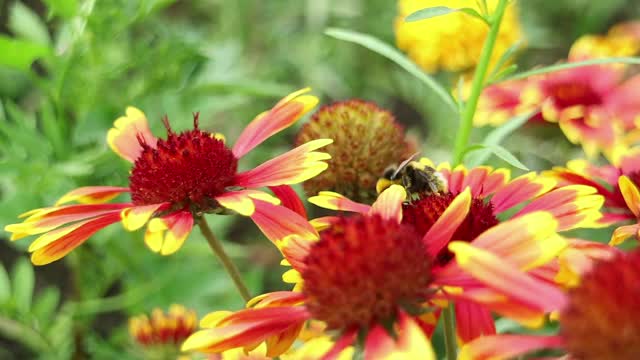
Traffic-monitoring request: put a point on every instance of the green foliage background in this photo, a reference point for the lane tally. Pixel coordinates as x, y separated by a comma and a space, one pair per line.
68, 68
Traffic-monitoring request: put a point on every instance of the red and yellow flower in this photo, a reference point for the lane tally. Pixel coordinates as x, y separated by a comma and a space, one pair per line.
617, 183
599, 319
344, 281
593, 105
494, 196
174, 181
170, 328
621, 40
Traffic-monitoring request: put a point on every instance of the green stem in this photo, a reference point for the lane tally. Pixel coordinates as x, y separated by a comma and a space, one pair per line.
216, 246
450, 346
466, 122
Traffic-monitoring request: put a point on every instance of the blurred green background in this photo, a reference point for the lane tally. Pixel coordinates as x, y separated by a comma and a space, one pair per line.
68, 68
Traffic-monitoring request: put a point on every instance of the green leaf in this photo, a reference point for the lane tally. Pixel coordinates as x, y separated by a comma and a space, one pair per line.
504, 73
22, 283
20, 54
495, 137
575, 64
498, 151
45, 304
507, 156
63, 8
504, 58
435, 11
429, 12
27, 25
5, 285
394, 55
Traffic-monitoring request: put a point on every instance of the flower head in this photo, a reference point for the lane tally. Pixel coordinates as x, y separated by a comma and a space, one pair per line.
622, 40
174, 181
452, 42
348, 284
599, 319
618, 183
170, 328
344, 282
366, 139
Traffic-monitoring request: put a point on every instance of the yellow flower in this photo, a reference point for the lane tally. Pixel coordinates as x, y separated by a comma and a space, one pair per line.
451, 42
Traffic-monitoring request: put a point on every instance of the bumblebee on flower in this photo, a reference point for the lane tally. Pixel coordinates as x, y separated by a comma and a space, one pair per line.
173, 181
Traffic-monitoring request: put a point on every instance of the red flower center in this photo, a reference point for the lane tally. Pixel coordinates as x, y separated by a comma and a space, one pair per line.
423, 213
602, 319
569, 94
362, 270
187, 169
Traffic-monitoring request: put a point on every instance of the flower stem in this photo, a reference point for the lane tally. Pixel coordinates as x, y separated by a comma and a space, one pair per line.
466, 121
216, 246
450, 346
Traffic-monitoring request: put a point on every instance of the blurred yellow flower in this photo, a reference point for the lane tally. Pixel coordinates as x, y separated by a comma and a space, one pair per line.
451, 42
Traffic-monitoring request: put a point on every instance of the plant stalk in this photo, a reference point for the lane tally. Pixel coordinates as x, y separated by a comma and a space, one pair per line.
448, 316
228, 265
466, 121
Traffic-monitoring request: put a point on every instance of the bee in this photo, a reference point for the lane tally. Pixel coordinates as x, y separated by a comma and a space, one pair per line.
417, 178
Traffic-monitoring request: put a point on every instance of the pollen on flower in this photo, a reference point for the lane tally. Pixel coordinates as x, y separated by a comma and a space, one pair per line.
366, 139
362, 270
186, 169
424, 213
602, 319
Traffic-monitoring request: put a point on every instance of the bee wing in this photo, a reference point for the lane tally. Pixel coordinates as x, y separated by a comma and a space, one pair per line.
403, 165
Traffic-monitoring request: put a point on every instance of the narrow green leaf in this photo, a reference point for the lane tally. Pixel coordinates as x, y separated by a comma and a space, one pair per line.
504, 73
394, 55
27, 25
575, 64
63, 8
52, 129
429, 12
5, 285
504, 59
22, 284
507, 156
20, 54
45, 304
495, 137
475, 14
497, 150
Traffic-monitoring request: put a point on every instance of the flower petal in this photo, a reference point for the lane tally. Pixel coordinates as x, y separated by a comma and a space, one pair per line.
289, 199
135, 217
526, 242
92, 194
292, 167
623, 233
345, 341
242, 201
246, 327
505, 278
166, 235
410, 344
522, 188
507, 346
631, 194
443, 229
473, 321
286, 112
57, 243
334, 201
47, 219
124, 137
574, 206
389, 203
278, 222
